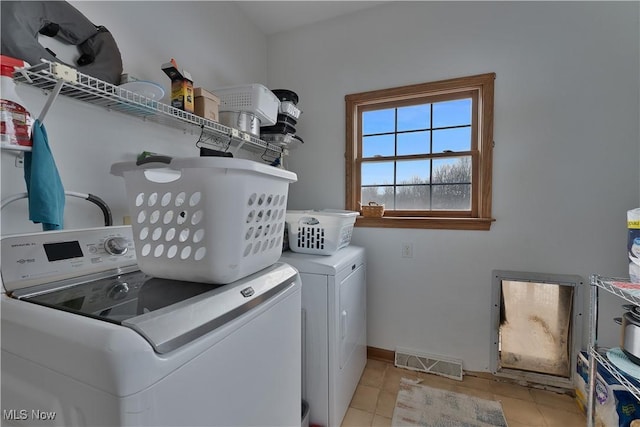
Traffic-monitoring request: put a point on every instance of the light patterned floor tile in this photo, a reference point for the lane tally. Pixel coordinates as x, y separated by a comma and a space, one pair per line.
365, 398
372, 377
437, 381
477, 383
375, 397
378, 364
379, 421
357, 418
513, 391
439, 384
555, 400
392, 376
512, 423
521, 411
561, 418
479, 393
386, 404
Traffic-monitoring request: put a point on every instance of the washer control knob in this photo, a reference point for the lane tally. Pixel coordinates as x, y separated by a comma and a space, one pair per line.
118, 291
116, 245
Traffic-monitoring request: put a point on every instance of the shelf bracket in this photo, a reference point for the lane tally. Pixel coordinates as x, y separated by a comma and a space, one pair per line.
64, 74
52, 98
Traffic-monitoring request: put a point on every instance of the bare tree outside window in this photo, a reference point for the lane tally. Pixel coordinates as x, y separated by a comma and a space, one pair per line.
425, 152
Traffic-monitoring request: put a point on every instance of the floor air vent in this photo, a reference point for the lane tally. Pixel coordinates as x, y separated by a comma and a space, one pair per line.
432, 364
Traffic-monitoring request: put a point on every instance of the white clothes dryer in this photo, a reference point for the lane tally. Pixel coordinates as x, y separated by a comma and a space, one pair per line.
334, 330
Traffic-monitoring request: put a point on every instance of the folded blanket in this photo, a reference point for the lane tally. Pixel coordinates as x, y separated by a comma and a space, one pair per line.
44, 186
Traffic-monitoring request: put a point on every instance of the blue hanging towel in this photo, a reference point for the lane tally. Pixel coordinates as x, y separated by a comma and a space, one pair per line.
44, 186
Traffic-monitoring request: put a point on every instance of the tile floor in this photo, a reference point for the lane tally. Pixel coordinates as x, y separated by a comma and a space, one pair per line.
375, 398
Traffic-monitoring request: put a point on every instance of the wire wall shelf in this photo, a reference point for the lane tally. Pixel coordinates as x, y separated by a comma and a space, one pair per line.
60, 79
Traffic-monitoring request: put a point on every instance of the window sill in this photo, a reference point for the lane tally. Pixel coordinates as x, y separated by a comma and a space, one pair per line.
482, 224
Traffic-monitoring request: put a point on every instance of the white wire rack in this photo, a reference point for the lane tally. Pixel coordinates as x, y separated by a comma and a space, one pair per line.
617, 287
59, 79
617, 374
625, 290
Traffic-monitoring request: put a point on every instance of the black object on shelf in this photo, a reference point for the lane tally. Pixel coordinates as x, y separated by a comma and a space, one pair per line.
208, 152
279, 127
286, 95
285, 118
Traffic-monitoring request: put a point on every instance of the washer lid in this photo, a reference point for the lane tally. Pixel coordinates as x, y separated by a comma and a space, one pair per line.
171, 327
167, 313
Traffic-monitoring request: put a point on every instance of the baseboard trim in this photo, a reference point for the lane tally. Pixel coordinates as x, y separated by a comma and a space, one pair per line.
381, 354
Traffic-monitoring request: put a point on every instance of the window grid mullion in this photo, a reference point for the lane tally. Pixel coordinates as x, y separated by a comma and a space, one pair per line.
416, 130
431, 159
395, 154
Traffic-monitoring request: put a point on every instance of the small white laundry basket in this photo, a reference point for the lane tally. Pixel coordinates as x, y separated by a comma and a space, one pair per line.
205, 219
320, 232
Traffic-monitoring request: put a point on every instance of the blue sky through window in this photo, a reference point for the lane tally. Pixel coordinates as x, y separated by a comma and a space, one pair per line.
420, 131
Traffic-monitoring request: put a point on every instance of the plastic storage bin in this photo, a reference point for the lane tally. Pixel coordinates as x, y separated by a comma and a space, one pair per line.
319, 232
254, 98
205, 219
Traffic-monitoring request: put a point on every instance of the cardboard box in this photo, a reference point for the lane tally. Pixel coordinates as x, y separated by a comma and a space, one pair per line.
182, 96
615, 405
206, 104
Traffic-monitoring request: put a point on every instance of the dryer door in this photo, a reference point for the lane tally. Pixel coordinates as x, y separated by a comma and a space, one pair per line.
352, 314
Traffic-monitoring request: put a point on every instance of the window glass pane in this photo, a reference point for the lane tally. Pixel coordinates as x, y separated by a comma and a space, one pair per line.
379, 145
452, 197
452, 113
454, 175
453, 170
376, 173
378, 121
411, 197
414, 117
456, 139
412, 172
413, 143
382, 195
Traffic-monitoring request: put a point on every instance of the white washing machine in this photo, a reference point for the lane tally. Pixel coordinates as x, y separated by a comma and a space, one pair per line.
334, 299
90, 340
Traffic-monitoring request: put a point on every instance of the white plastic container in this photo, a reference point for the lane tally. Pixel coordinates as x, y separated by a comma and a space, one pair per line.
320, 232
253, 98
205, 219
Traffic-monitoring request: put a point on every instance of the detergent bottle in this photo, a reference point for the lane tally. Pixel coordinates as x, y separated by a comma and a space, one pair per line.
15, 121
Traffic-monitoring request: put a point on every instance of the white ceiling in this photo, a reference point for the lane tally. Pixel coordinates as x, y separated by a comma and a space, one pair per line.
277, 16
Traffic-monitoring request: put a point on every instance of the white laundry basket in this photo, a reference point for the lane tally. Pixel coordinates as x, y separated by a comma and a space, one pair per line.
205, 219
320, 232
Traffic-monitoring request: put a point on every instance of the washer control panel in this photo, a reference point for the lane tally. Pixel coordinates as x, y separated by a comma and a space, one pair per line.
38, 258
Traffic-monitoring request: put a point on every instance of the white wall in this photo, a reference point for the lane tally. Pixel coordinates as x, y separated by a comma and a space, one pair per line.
566, 131
212, 40
565, 160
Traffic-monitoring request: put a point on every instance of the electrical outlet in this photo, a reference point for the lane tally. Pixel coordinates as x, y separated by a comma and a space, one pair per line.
20, 160
407, 250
